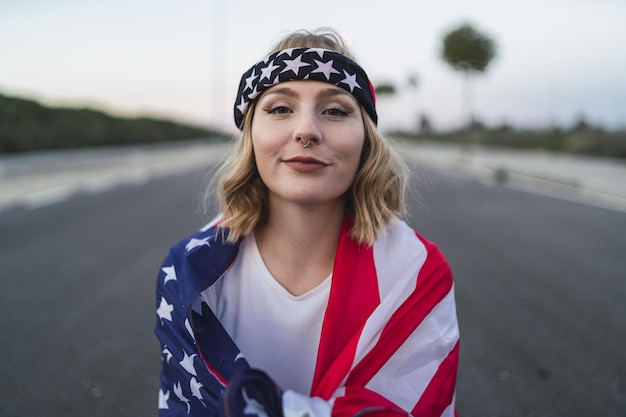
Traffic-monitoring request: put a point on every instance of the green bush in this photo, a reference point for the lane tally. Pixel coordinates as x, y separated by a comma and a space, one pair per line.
26, 125
580, 139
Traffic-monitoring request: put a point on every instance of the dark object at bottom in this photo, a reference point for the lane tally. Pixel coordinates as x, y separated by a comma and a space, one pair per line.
252, 392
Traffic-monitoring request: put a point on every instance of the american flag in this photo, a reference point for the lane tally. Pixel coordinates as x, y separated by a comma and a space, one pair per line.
389, 341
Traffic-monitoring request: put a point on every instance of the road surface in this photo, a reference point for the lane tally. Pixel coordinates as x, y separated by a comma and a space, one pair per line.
540, 288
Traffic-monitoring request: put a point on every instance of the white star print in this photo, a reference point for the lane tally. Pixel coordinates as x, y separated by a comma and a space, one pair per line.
350, 80
253, 93
242, 107
194, 243
267, 71
294, 65
272, 82
187, 363
179, 393
320, 51
165, 310
287, 52
170, 274
195, 386
253, 406
250, 80
163, 397
325, 68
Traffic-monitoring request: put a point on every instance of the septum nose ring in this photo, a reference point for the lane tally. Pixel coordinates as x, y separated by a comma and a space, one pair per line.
305, 145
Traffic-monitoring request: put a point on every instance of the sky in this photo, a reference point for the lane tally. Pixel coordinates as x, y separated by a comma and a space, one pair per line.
557, 60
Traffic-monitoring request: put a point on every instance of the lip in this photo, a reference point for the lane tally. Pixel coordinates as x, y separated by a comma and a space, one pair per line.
305, 163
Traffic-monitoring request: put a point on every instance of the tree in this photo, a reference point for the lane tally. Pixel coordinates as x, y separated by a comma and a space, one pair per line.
470, 52
413, 82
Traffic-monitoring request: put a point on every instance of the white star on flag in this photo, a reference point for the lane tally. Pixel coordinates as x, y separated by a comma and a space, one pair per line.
179, 393
267, 71
253, 406
194, 243
195, 386
170, 273
165, 310
163, 397
189, 330
350, 80
294, 65
187, 363
168, 355
325, 68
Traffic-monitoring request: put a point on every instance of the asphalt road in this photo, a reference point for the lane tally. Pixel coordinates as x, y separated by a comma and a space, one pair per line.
540, 290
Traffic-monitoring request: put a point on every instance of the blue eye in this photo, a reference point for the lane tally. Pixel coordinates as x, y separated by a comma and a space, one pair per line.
279, 110
336, 112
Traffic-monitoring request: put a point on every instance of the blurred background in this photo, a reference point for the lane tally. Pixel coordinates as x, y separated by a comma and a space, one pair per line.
556, 63
512, 115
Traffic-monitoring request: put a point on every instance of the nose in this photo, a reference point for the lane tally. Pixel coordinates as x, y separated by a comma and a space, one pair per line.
307, 130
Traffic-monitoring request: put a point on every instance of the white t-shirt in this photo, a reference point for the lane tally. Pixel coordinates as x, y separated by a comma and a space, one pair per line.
275, 330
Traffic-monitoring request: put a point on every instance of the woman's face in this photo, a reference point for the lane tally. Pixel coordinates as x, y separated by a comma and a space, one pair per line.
296, 111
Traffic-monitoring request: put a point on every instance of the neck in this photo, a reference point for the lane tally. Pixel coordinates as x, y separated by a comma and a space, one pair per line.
298, 244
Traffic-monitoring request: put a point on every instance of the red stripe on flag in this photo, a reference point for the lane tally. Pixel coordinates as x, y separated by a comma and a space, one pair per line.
434, 282
440, 391
361, 401
353, 297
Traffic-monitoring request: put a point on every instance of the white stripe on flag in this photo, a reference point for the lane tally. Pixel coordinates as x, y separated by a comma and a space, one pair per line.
405, 376
397, 279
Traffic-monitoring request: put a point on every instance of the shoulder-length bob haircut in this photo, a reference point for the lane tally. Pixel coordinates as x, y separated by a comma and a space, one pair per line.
376, 196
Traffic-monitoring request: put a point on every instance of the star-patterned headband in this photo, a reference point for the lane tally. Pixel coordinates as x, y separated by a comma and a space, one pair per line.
305, 64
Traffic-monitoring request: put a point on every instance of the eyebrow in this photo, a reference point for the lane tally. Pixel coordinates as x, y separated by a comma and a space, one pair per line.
331, 91
286, 91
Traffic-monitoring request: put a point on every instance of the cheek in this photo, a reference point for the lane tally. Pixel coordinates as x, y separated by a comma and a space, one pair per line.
353, 149
261, 158
265, 158
261, 144
266, 138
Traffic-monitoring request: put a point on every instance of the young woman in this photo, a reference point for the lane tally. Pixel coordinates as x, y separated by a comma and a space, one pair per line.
308, 295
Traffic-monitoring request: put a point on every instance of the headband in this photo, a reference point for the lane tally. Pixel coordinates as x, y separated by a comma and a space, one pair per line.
305, 64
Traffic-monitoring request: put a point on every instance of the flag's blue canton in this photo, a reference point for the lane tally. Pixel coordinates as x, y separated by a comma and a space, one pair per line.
305, 64
181, 391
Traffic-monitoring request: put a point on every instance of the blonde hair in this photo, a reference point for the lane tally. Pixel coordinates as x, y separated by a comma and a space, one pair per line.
323, 37
376, 196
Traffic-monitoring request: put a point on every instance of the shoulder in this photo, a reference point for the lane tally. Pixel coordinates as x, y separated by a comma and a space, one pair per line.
403, 257
404, 242
205, 237
198, 260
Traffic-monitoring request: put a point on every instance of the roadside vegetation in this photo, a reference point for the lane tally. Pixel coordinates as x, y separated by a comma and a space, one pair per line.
582, 138
26, 125
469, 52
